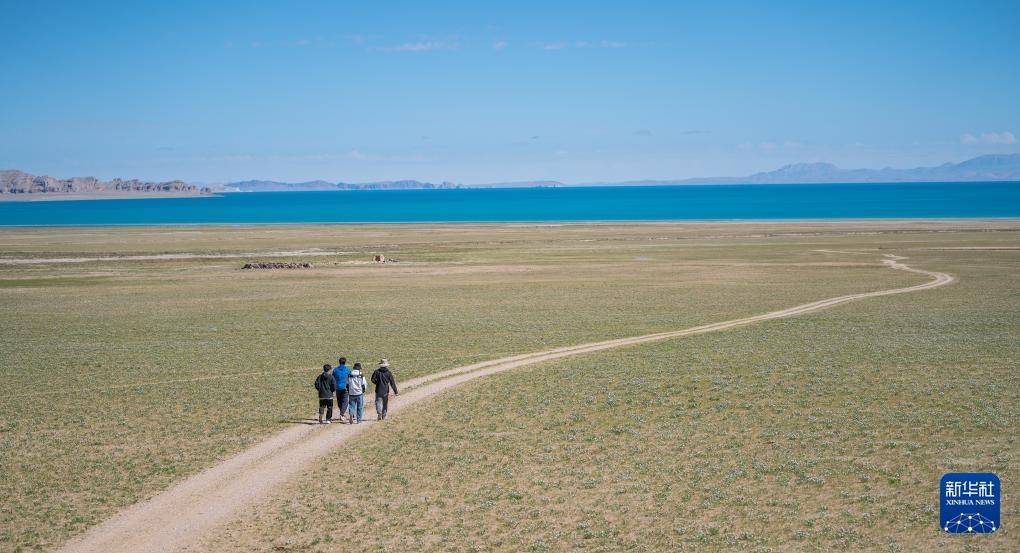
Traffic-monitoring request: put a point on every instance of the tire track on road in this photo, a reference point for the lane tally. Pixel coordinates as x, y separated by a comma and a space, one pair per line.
177, 518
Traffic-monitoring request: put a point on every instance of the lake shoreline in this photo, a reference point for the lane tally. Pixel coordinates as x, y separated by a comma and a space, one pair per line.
62, 197
859, 225
530, 224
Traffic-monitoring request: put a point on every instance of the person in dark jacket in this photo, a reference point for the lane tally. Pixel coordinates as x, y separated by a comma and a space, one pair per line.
383, 380
340, 375
325, 384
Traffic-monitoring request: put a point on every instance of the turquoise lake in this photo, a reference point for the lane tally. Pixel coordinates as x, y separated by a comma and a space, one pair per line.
632, 203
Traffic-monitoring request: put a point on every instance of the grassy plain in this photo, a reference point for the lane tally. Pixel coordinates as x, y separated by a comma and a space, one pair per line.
823, 432
120, 376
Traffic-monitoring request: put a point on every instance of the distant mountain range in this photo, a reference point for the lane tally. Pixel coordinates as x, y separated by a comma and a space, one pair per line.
984, 168
1004, 167
20, 183
275, 186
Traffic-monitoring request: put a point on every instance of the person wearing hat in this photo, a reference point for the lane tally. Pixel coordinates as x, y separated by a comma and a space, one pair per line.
383, 380
325, 384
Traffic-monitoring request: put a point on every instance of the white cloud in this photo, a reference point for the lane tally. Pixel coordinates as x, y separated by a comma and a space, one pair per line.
771, 146
359, 155
1004, 137
256, 44
562, 44
499, 45
551, 45
420, 46
362, 38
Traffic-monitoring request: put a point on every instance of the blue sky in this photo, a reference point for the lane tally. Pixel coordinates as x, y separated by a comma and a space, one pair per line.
499, 91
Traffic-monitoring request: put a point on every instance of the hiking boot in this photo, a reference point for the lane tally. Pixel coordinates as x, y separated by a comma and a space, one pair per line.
328, 422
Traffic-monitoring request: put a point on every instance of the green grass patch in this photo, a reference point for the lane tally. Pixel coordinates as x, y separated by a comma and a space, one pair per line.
819, 433
163, 367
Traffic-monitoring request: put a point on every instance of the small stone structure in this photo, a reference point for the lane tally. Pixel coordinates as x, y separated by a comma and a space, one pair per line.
255, 266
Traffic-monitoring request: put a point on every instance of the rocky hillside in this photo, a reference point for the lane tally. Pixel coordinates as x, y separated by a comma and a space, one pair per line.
984, 168
19, 182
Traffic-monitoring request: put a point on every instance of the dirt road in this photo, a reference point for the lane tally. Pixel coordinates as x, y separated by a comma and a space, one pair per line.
177, 518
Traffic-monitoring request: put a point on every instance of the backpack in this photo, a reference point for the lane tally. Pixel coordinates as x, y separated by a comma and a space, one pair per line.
356, 383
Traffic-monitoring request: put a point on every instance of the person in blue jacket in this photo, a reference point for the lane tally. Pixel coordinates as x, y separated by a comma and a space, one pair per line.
340, 373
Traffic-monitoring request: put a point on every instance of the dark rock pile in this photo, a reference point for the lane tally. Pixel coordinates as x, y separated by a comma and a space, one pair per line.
254, 266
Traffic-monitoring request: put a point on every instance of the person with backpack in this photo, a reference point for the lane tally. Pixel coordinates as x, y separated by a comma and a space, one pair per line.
356, 386
340, 374
383, 380
325, 384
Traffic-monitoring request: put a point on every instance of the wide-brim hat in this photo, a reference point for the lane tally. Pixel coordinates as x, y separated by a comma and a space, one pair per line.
384, 363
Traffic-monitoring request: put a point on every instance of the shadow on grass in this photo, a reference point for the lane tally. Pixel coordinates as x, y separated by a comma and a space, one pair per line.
299, 421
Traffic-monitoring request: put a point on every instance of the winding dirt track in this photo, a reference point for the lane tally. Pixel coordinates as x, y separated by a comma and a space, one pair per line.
175, 519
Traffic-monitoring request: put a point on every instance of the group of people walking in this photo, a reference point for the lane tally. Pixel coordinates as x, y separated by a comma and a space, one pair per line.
349, 386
